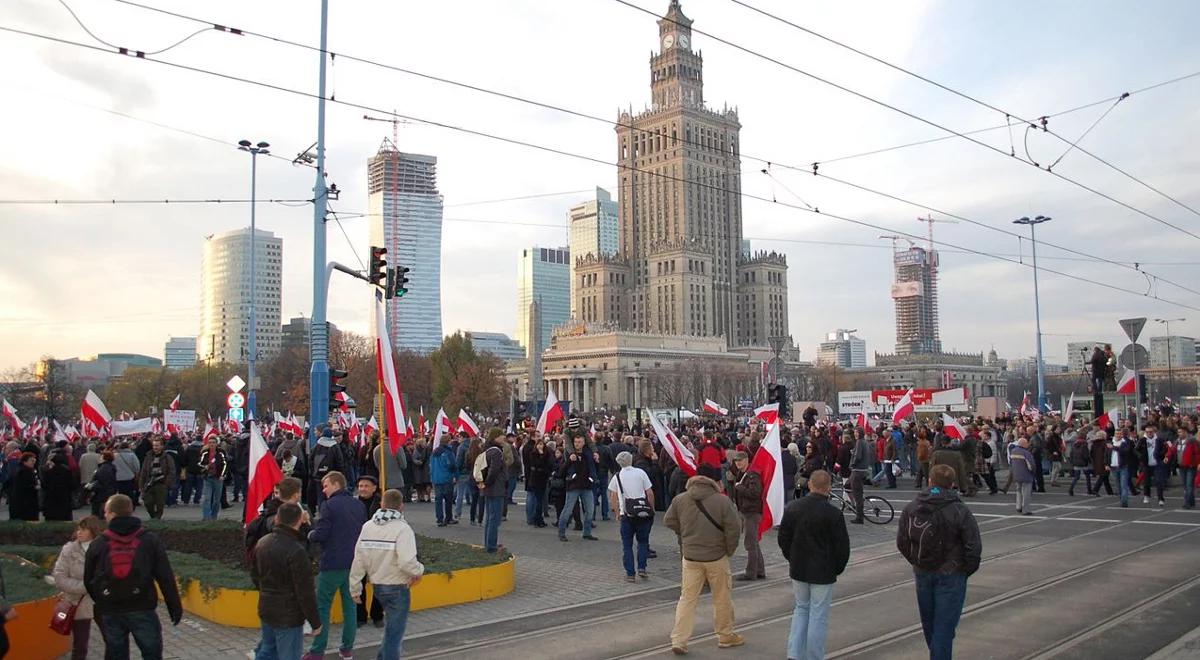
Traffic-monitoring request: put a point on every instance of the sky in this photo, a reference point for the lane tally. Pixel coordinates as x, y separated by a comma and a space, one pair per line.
84, 124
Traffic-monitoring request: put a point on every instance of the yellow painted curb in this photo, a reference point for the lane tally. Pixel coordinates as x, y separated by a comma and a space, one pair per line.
30, 636
239, 607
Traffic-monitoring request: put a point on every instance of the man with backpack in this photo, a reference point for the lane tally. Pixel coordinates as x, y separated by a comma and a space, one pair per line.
938, 535
120, 572
287, 491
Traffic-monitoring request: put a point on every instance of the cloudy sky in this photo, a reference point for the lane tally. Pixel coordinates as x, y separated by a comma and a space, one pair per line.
84, 124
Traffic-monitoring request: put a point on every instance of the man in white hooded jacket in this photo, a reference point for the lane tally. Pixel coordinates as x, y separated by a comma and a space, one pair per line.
386, 553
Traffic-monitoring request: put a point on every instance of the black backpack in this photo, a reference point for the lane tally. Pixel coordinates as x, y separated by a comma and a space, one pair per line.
927, 547
985, 449
119, 577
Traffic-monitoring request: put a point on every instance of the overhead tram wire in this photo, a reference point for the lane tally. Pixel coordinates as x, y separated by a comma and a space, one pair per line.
911, 115
106, 202
609, 122
562, 152
1073, 144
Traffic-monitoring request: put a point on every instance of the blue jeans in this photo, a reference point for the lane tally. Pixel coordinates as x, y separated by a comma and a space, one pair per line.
600, 491
173, 494
810, 620
629, 531
395, 599
584, 497
535, 506
493, 506
1123, 484
443, 502
193, 485
465, 492
240, 484
143, 625
212, 498
940, 599
1189, 486
280, 643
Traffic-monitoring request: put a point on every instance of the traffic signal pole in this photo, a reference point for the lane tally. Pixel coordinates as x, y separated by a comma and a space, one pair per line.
318, 348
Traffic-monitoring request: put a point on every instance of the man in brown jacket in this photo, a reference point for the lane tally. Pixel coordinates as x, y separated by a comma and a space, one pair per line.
708, 527
747, 494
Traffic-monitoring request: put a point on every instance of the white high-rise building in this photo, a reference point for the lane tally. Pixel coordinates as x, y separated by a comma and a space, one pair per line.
594, 230
1174, 351
406, 218
544, 275
843, 349
225, 296
180, 353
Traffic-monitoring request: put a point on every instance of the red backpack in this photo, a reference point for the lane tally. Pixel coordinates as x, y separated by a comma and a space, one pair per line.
120, 577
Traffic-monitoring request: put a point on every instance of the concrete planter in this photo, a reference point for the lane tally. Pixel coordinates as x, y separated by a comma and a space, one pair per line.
30, 634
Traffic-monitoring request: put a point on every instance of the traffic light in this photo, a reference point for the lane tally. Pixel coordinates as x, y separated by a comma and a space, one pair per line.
397, 282
378, 269
778, 394
336, 388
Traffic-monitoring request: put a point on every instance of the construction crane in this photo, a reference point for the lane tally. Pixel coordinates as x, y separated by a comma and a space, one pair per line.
395, 121
930, 219
896, 237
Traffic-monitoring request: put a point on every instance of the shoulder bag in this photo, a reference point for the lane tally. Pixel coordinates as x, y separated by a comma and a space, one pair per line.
636, 508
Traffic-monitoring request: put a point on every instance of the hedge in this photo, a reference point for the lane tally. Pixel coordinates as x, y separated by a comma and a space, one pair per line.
23, 580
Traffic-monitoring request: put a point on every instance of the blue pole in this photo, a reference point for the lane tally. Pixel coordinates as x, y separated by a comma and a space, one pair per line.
319, 337
253, 289
1037, 312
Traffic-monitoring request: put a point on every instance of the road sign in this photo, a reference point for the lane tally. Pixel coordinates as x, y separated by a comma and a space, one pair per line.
235, 400
1133, 327
1135, 357
235, 414
236, 383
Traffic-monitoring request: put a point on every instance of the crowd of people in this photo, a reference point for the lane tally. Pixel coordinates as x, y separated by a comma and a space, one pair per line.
572, 477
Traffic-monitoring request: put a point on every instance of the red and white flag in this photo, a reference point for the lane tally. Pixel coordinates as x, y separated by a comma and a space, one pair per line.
393, 401
768, 462
264, 474
768, 413
466, 424
233, 426
904, 407
409, 426
1112, 417
72, 433
1070, 412
59, 433
155, 426
551, 414
93, 410
674, 448
355, 432
10, 413
174, 403
952, 428
422, 423
441, 424
372, 425
209, 431
864, 421
592, 432
1024, 404
1128, 384
712, 407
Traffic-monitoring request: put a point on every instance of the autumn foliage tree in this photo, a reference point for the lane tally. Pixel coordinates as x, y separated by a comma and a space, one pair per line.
464, 378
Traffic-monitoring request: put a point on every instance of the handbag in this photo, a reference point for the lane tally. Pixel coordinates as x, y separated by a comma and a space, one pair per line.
636, 508
62, 620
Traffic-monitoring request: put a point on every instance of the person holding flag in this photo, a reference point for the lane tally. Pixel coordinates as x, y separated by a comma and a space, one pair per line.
748, 496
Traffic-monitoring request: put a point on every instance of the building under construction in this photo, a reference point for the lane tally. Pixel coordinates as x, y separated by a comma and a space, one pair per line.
915, 294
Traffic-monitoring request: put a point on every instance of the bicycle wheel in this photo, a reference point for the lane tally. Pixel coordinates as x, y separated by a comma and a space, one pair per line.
878, 510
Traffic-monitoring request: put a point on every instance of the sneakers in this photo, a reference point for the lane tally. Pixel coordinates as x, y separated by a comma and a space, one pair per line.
562, 538
642, 574
679, 650
590, 537
312, 656
1162, 503
630, 578
731, 641
1146, 499
346, 654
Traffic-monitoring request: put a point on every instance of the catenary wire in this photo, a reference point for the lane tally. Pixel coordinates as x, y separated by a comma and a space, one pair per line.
585, 115
139, 53
562, 152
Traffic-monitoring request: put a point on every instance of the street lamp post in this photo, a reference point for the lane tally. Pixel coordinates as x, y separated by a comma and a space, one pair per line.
254, 150
1170, 370
1037, 308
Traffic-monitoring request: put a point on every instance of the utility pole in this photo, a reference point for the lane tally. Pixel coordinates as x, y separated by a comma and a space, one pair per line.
1170, 370
318, 348
1037, 307
254, 151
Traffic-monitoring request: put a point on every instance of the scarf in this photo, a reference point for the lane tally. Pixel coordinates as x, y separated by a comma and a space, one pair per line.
385, 516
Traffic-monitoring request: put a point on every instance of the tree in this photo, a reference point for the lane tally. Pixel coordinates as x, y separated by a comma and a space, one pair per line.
139, 389
464, 378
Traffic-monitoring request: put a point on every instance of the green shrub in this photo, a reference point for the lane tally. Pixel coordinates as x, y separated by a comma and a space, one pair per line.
23, 580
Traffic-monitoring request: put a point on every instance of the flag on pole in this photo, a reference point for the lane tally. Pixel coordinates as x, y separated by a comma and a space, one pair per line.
551, 414
209, 431
864, 421
422, 423
174, 403
1112, 417
1128, 384
393, 401
10, 413
94, 411
372, 425
768, 462
441, 424
411, 432
264, 474
674, 448
712, 407
355, 432
592, 432
952, 428
59, 434
1024, 403
768, 413
232, 426
904, 407
155, 426
1070, 412
466, 424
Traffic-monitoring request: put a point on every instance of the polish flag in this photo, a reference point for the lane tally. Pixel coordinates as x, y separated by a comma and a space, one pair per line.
768, 462
10, 413
441, 424
864, 421
1128, 384
592, 432
174, 403
904, 407
372, 426
675, 449
72, 433
551, 414
94, 411
264, 474
355, 433
155, 426
768, 413
1112, 417
712, 407
409, 426
422, 423
466, 424
1024, 404
952, 428
1070, 412
233, 426
59, 433
209, 431
393, 401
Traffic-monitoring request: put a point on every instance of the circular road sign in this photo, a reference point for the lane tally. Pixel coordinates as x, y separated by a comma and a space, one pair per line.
235, 400
1134, 356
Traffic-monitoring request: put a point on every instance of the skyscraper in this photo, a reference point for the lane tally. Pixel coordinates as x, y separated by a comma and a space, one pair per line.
843, 349
1174, 351
225, 296
406, 218
543, 275
179, 353
593, 229
681, 267
915, 295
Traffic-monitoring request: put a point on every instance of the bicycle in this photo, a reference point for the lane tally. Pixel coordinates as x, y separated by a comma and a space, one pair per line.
875, 508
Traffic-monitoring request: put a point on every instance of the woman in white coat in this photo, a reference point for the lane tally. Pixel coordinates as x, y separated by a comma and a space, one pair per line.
68, 578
